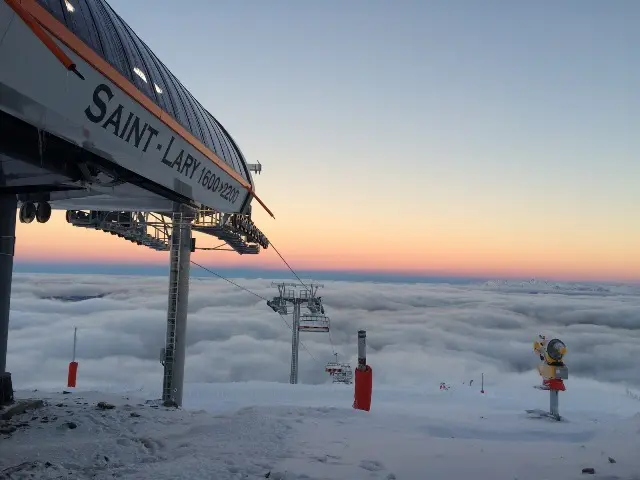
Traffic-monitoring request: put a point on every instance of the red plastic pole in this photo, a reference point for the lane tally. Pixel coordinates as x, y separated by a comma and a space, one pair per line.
364, 376
73, 365
73, 371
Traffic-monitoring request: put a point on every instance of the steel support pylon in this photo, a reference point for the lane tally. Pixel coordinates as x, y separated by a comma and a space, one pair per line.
8, 206
175, 343
295, 343
554, 401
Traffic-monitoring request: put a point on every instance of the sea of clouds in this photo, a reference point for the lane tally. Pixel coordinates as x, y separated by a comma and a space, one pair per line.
416, 332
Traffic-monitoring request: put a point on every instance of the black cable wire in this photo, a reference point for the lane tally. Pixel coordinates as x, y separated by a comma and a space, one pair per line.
287, 264
331, 341
257, 295
307, 350
305, 286
231, 282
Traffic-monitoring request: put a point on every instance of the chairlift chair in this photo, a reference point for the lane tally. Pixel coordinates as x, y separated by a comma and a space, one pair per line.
278, 305
313, 323
344, 376
340, 372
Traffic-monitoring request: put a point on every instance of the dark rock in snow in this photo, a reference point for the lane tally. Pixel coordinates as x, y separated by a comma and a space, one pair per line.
8, 429
10, 472
590, 471
21, 407
612, 460
105, 406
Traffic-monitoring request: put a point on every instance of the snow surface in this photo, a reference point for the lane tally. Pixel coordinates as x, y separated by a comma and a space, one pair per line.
246, 430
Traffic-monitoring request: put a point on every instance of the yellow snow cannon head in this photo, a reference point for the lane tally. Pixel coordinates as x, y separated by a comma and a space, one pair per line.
539, 343
555, 352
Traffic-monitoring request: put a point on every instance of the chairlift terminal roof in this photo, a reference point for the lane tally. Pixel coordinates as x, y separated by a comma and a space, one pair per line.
105, 32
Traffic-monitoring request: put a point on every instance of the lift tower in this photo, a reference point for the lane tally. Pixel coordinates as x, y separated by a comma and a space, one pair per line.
291, 297
175, 343
8, 205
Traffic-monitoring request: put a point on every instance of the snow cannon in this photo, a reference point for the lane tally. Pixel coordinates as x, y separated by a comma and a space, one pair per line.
552, 369
364, 376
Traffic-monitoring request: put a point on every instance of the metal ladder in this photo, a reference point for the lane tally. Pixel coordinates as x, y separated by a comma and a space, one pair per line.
174, 281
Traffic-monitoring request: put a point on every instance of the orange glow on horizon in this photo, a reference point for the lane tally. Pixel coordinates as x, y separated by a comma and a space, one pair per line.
444, 253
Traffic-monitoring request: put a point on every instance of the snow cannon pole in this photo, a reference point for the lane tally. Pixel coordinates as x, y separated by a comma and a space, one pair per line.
364, 376
553, 370
362, 350
73, 365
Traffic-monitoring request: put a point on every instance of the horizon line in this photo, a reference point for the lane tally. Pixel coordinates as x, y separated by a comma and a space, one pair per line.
283, 273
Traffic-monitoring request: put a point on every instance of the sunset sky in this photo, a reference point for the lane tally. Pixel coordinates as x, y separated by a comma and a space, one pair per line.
492, 138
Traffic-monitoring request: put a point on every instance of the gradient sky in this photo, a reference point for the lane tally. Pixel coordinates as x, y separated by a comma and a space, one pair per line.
469, 137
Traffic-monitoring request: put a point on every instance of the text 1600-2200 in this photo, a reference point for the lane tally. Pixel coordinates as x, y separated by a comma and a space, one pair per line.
212, 182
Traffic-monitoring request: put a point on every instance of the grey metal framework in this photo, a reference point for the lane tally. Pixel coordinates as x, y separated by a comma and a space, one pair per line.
102, 29
290, 300
176, 339
153, 230
8, 205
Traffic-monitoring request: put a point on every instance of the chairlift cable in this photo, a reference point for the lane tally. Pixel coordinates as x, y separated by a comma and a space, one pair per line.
331, 341
230, 281
305, 286
257, 295
287, 264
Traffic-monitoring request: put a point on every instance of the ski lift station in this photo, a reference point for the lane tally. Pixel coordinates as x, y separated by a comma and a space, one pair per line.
92, 122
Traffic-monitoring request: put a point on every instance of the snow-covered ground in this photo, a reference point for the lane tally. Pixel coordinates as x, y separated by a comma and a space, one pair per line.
267, 430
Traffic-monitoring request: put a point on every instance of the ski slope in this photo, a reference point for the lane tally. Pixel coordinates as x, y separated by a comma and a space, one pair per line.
251, 430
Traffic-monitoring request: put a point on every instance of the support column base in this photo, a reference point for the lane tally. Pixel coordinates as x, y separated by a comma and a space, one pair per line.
6, 389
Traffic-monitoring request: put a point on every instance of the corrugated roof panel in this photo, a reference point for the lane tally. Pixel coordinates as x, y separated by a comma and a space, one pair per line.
102, 29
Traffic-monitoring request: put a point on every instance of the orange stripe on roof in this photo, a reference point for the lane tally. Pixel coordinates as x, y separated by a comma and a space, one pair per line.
62, 33
35, 27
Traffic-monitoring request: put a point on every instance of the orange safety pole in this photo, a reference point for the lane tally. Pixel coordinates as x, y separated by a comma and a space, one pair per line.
364, 376
42, 35
253, 194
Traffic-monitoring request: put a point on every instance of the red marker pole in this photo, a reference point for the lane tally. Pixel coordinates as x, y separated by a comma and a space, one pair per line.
364, 376
73, 366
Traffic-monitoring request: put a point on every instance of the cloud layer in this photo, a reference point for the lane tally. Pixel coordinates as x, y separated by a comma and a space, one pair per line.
416, 332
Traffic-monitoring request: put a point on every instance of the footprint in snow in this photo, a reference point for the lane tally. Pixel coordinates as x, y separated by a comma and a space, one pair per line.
371, 465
